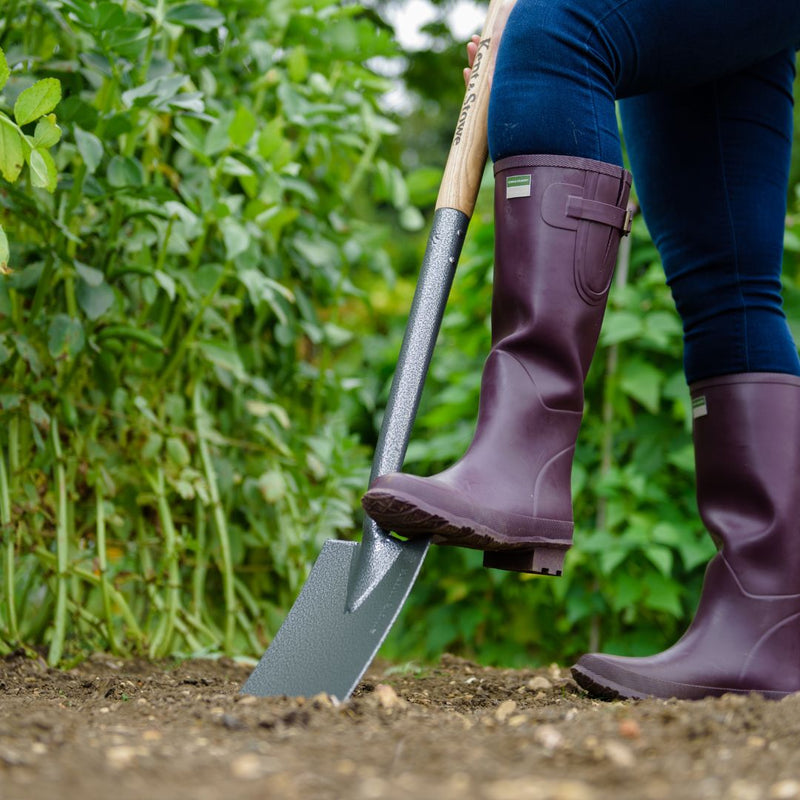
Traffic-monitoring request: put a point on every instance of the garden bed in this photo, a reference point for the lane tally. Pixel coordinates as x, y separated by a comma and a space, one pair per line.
134, 729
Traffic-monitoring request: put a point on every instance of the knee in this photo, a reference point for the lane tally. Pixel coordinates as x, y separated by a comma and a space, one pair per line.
552, 36
554, 67
539, 32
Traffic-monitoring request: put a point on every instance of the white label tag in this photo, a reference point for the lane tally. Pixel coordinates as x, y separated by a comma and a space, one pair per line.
518, 186
699, 407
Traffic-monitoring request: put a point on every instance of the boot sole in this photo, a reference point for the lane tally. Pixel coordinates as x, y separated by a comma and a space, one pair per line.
604, 688
414, 520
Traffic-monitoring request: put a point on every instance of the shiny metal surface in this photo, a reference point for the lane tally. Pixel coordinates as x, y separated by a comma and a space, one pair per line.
322, 647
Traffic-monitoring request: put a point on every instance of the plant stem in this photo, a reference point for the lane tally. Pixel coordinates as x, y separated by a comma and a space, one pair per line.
201, 561
9, 536
102, 559
252, 640
607, 444
42, 290
228, 587
188, 337
162, 641
62, 550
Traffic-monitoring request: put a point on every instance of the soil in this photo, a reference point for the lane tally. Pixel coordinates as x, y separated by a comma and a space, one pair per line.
132, 729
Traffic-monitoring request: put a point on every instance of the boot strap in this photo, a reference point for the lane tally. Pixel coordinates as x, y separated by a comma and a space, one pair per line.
604, 213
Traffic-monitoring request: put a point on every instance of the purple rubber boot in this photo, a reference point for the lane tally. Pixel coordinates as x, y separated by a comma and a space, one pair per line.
745, 636
558, 222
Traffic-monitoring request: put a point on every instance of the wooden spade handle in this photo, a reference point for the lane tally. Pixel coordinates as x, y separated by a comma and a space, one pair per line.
468, 151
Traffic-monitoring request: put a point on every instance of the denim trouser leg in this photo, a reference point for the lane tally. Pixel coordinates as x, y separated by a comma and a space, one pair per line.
711, 167
707, 120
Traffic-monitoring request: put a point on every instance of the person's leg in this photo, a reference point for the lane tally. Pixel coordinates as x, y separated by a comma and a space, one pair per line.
727, 142
711, 167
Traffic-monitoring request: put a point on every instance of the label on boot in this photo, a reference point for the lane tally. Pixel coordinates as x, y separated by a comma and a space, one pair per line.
699, 407
518, 186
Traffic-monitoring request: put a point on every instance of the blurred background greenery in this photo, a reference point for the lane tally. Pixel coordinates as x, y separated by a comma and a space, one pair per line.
204, 300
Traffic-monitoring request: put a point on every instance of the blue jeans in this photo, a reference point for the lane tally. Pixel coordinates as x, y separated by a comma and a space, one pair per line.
706, 105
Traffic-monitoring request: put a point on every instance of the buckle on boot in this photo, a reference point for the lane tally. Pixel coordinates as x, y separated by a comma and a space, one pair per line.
627, 222
588, 210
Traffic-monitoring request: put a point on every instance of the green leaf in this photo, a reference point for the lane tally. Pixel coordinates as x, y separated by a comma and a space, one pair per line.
621, 326
94, 299
423, 185
627, 589
663, 594
660, 557
642, 382
47, 133
272, 486
90, 149
236, 237
38, 415
271, 138
37, 100
242, 127
683, 458
791, 241
166, 282
10, 401
11, 150
224, 356
177, 452
611, 558
663, 330
152, 447
411, 219
124, 171
4, 70
4, 252
65, 337
44, 174
92, 276
318, 252
265, 290
196, 15
298, 64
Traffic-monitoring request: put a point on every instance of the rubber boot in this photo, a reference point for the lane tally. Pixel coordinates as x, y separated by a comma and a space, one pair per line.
558, 222
745, 636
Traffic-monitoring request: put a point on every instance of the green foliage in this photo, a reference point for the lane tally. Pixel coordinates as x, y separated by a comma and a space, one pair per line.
174, 435
34, 104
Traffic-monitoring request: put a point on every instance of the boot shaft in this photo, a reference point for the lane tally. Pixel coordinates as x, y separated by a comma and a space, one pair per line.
746, 432
558, 221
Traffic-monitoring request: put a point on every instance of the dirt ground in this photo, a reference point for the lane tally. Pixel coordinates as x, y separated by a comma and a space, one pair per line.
111, 729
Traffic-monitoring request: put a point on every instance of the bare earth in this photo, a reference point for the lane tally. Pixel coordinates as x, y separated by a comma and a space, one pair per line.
119, 730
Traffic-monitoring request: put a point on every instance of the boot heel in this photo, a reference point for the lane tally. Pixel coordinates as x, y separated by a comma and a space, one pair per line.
539, 561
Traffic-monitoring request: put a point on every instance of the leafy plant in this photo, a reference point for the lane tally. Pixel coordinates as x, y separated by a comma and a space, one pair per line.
174, 433
34, 104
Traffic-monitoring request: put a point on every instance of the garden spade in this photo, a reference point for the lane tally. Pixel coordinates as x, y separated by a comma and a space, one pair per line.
355, 591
